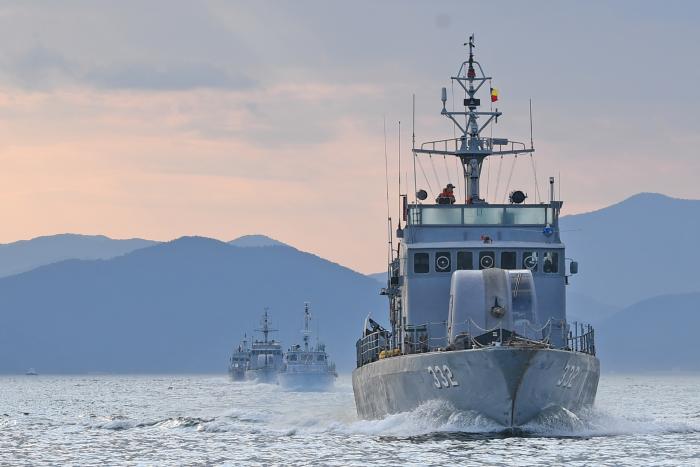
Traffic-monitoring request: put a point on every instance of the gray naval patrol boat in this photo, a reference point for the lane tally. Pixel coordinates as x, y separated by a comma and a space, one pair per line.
476, 294
307, 368
265, 355
238, 363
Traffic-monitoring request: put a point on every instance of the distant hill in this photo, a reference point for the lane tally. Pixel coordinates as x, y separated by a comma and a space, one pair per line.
639, 248
588, 310
380, 277
25, 255
658, 334
176, 307
255, 241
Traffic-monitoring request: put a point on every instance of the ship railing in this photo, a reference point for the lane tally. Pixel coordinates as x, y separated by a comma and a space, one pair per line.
581, 338
518, 335
453, 145
369, 346
442, 145
421, 338
545, 330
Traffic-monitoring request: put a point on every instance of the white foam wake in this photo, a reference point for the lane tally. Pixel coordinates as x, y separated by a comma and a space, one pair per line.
599, 422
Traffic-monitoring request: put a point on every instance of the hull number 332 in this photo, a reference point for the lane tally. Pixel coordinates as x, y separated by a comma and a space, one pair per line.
442, 377
569, 375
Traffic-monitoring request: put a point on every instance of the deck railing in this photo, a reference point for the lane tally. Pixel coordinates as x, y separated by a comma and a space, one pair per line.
369, 347
420, 339
581, 338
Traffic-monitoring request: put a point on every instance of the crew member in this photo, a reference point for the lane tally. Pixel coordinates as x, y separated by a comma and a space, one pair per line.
447, 196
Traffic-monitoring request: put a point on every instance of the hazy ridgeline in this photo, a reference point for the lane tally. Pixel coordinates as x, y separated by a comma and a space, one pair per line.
181, 306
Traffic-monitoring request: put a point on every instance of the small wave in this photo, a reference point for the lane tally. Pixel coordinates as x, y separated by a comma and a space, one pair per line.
118, 423
183, 422
115, 423
246, 416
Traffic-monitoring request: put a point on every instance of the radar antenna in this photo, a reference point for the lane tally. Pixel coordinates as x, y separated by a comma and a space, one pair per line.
307, 320
470, 147
265, 326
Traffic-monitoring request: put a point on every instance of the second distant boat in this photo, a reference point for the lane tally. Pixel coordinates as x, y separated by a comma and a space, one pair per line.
307, 368
265, 356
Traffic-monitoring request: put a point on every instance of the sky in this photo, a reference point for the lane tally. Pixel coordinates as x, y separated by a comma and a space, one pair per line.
163, 119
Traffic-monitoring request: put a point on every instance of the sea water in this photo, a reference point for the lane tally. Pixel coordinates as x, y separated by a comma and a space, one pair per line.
209, 420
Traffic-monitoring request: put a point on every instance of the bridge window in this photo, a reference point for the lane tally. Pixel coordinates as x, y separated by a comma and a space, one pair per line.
530, 260
508, 260
487, 259
320, 358
465, 260
292, 358
551, 262
421, 263
443, 261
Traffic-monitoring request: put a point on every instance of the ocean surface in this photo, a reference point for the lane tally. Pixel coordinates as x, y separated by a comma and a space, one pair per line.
208, 420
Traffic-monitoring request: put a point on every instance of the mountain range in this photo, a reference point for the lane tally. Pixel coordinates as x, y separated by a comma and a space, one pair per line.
25, 255
640, 248
74, 303
179, 306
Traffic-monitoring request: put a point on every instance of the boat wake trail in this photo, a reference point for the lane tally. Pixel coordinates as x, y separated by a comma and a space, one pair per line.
430, 417
430, 421
599, 422
438, 419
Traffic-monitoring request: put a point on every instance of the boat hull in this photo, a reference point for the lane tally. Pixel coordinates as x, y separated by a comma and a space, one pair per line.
262, 375
509, 385
306, 381
237, 374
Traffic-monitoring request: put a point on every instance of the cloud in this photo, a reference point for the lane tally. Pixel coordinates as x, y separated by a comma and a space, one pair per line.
40, 68
167, 77
154, 119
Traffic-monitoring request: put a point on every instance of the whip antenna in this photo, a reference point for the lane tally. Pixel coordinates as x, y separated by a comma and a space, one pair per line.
532, 144
399, 174
415, 179
390, 240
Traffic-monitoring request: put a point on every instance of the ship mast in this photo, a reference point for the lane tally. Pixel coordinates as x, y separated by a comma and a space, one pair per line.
471, 148
265, 326
307, 319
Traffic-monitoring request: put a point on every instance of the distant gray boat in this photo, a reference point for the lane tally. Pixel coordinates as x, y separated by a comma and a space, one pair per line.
307, 368
265, 356
476, 292
31, 372
238, 363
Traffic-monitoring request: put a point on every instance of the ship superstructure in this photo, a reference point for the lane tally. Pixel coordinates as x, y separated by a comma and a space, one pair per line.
476, 292
265, 355
307, 367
